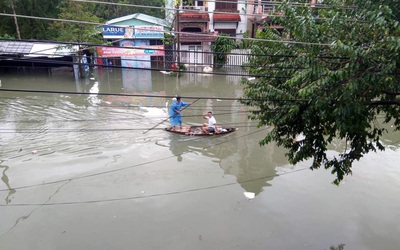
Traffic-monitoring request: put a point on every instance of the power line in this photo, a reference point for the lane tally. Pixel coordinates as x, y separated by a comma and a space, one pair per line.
129, 119
134, 197
145, 69
245, 65
259, 3
189, 64
106, 105
148, 196
113, 170
51, 19
28, 57
166, 50
146, 95
60, 131
162, 70
176, 32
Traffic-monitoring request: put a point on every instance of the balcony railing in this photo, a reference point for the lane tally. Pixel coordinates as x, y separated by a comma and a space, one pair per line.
195, 8
198, 37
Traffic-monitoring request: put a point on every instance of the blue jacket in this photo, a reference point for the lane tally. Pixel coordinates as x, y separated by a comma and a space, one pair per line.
175, 117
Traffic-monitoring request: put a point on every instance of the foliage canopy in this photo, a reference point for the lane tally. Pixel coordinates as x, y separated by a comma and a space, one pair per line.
34, 28
222, 45
76, 31
339, 71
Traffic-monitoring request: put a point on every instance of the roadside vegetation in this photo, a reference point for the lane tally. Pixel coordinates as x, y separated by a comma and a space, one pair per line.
334, 75
221, 47
31, 28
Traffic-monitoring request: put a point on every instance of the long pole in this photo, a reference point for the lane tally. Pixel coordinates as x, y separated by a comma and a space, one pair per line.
168, 118
178, 40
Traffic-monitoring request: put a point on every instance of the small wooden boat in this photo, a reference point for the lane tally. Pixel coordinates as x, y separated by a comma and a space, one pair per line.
197, 131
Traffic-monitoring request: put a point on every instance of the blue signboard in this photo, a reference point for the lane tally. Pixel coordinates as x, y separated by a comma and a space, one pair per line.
113, 31
149, 51
133, 32
150, 32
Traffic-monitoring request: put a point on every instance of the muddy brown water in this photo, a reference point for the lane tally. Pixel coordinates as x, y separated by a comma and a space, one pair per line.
90, 171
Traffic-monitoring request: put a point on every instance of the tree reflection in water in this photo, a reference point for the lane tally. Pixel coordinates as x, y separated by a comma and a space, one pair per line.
6, 181
252, 165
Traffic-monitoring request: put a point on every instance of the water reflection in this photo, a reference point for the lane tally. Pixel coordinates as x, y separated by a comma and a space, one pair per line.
103, 137
6, 181
252, 165
94, 90
178, 147
237, 154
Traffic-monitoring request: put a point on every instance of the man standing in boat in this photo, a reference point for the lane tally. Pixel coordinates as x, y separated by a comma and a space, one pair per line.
175, 110
211, 126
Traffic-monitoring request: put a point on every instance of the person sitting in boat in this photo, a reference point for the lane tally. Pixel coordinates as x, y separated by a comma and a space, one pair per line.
175, 110
211, 126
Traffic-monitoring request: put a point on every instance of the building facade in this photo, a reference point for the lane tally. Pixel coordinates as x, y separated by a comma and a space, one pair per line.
138, 41
198, 24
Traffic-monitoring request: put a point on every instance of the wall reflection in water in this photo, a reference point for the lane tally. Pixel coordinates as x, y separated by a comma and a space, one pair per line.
6, 181
237, 154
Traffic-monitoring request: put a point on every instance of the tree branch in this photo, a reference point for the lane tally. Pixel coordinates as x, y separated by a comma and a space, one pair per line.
385, 102
391, 93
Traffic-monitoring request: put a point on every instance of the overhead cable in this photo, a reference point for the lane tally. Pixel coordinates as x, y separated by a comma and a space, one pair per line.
239, 2
167, 50
112, 170
147, 95
176, 32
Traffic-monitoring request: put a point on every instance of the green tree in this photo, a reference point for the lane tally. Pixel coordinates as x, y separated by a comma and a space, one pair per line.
12, 4
222, 45
6, 24
82, 32
36, 28
342, 74
111, 11
33, 28
245, 43
28, 28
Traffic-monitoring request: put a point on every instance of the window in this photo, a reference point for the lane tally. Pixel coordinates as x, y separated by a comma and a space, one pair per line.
227, 5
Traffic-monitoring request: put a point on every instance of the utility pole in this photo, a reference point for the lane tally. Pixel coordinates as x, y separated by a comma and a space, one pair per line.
178, 41
15, 19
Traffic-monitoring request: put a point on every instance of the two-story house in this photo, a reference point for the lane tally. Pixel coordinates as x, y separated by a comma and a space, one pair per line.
260, 12
197, 23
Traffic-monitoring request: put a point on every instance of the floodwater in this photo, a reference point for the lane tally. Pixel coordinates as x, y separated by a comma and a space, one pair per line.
92, 171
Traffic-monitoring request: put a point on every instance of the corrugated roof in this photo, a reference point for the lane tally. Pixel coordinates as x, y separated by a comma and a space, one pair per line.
15, 47
142, 17
36, 49
52, 50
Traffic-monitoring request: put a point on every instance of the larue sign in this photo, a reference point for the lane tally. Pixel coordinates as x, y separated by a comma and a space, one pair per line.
134, 32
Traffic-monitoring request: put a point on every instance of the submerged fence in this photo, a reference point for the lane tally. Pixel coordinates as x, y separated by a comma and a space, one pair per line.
235, 62
238, 57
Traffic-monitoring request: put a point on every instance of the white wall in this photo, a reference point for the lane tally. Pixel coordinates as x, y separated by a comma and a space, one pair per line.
242, 25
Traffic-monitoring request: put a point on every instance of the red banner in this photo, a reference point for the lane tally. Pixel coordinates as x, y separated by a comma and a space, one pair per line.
154, 50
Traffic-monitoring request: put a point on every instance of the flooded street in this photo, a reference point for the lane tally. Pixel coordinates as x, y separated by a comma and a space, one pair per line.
87, 165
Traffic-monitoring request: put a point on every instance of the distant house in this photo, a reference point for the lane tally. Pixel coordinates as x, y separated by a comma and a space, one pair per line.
141, 36
199, 23
260, 11
36, 57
